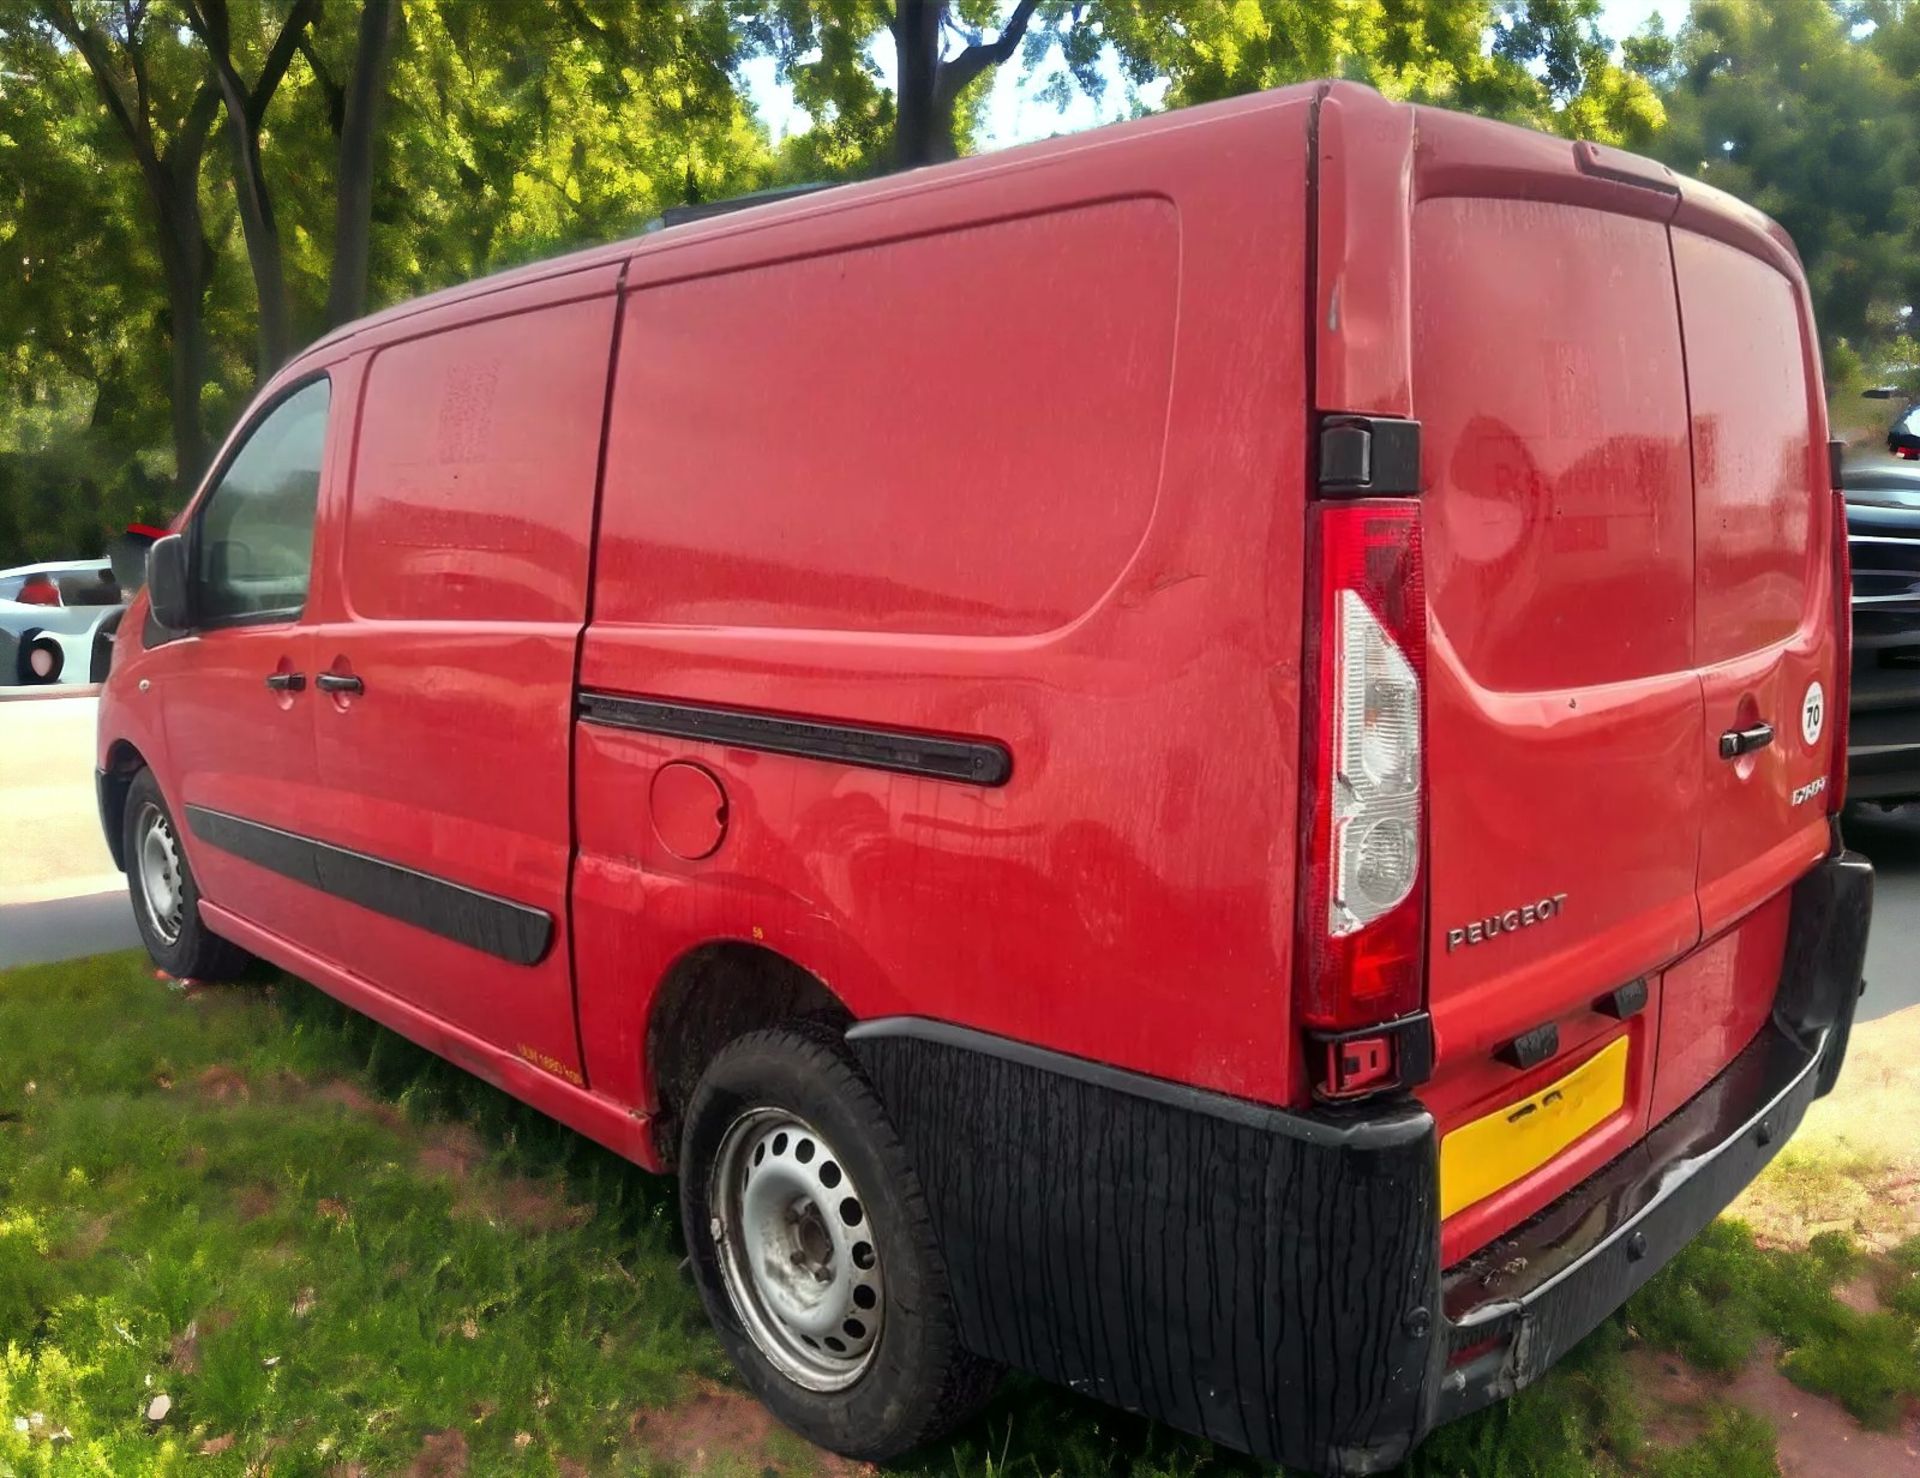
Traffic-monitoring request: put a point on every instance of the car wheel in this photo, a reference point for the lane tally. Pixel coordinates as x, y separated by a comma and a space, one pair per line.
166, 900
41, 659
814, 1252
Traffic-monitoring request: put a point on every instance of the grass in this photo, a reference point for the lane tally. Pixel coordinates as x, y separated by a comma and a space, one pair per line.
186, 1214
334, 1254
1724, 1294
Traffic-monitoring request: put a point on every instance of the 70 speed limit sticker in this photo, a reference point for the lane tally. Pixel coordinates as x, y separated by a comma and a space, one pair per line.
1813, 714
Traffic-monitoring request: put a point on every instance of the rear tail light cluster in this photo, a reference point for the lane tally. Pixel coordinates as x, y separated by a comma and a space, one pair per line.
1363, 913
40, 590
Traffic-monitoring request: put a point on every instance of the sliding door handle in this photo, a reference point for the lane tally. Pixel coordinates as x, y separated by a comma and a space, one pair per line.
339, 682
286, 682
1736, 742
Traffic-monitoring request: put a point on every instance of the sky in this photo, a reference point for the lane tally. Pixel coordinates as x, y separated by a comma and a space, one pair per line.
1015, 116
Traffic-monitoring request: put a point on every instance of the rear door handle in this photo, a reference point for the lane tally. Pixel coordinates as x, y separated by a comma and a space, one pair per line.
286, 682
339, 682
1736, 742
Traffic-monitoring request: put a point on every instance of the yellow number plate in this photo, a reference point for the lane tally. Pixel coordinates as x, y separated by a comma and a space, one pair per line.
1478, 1159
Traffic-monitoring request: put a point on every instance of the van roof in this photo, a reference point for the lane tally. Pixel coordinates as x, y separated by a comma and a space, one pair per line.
680, 226
1701, 206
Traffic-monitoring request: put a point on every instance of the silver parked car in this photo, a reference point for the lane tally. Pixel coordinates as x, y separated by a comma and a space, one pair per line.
53, 617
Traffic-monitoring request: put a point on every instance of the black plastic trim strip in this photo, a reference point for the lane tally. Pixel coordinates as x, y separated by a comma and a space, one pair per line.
1368, 455
514, 932
1378, 1126
970, 761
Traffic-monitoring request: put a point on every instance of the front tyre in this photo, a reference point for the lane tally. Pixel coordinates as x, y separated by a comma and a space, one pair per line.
814, 1251
166, 900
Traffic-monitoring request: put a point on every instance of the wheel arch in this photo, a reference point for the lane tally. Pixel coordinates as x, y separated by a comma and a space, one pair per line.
711, 994
123, 762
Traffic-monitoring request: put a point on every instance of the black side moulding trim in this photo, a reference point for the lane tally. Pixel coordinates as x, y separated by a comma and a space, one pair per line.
971, 761
514, 932
1259, 1277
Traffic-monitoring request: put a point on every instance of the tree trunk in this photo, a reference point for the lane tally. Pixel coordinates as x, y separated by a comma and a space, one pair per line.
172, 183
927, 85
177, 205
353, 212
918, 137
275, 337
245, 110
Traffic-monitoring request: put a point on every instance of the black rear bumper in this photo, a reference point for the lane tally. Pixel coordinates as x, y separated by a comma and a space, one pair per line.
1272, 1280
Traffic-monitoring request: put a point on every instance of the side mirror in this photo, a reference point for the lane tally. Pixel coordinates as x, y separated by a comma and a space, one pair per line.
167, 583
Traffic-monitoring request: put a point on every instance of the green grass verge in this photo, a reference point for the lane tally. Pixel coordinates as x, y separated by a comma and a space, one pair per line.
182, 1212
192, 1203
1716, 1301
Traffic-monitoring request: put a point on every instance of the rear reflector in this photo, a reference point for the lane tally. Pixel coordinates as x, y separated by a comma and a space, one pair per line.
1363, 913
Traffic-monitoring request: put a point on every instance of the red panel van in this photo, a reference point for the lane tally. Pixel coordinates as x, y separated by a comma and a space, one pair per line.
1200, 759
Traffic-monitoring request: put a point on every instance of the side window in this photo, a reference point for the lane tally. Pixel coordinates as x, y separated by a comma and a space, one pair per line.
253, 538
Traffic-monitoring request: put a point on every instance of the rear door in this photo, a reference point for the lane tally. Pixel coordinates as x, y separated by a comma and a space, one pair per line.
1543, 360
1764, 637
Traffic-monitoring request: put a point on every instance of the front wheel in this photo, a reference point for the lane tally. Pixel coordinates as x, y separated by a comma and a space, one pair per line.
814, 1251
166, 900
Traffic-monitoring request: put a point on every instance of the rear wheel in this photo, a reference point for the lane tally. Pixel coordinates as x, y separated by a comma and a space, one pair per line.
40, 660
814, 1251
166, 900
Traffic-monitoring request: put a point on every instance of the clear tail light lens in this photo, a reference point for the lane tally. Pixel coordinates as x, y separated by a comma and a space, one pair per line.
1376, 773
1363, 913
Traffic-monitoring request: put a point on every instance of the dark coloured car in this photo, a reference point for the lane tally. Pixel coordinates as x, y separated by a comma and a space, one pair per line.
1903, 437
1883, 537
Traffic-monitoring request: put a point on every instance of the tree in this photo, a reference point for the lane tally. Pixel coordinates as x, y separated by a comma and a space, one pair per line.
246, 112
930, 82
1543, 62
163, 108
1782, 106
353, 180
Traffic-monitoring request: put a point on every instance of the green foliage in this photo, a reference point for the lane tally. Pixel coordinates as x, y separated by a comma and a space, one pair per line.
510, 131
1781, 105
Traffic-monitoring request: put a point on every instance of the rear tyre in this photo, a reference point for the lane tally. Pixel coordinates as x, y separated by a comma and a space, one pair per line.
814, 1251
166, 900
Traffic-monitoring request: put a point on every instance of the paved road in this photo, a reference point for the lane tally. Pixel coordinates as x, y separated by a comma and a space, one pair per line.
65, 928
53, 847
59, 893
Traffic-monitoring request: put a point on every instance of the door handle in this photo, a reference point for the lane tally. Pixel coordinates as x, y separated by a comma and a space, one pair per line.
286, 682
339, 682
1736, 742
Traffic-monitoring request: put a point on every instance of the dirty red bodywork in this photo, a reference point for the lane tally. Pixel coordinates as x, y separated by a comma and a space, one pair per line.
1020, 449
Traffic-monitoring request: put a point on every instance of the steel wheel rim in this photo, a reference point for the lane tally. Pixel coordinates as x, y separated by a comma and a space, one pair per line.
163, 890
796, 1250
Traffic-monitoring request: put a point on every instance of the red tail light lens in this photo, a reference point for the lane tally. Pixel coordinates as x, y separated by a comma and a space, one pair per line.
40, 590
1363, 910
